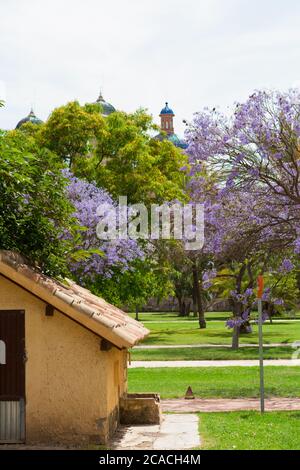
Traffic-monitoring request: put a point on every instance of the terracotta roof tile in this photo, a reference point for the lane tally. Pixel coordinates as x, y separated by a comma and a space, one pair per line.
92, 309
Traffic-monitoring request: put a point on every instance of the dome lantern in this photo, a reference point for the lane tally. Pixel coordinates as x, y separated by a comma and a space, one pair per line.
167, 110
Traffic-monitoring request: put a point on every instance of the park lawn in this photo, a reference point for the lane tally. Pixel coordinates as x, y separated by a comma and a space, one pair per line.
250, 431
165, 333
207, 354
215, 382
174, 317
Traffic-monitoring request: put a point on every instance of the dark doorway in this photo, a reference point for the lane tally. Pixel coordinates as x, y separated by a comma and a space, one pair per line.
12, 376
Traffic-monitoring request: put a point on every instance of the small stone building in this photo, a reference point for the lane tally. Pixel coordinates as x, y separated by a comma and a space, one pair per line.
63, 358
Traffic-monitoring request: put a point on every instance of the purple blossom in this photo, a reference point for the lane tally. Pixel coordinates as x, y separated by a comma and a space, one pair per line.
297, 246
86, 198
286, 266
265, 317
266, 295
233, 322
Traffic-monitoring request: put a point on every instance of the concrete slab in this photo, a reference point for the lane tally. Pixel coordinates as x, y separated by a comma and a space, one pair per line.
176, 432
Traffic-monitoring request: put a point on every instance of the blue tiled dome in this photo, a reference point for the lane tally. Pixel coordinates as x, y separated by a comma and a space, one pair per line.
30, 118
177, 141
107, 108
172, 138
167, 110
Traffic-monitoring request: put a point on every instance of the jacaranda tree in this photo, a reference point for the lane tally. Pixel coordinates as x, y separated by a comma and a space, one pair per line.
253, 156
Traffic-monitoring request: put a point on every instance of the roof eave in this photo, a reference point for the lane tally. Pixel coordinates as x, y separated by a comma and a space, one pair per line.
117, 336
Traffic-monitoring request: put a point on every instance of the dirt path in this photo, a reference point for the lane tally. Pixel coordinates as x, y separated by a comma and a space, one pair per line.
218, 405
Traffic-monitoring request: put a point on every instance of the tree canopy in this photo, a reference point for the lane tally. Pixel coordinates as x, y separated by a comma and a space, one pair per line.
34, 211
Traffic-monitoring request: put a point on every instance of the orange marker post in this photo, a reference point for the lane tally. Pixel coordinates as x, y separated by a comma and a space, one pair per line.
260, 290
260, 285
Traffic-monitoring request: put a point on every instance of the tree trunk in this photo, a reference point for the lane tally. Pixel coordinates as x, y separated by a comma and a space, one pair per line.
195, 313
179, 300
271, 311
246, 328
188, 308
235, 338
237, 309
137, 313
197, 287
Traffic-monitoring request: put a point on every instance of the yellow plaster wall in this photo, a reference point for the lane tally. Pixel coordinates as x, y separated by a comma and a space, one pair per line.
72, 388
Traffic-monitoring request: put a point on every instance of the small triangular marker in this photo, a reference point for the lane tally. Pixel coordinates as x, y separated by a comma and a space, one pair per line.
189, 395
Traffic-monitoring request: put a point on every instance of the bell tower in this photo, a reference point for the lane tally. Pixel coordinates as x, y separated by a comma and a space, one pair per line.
166, 119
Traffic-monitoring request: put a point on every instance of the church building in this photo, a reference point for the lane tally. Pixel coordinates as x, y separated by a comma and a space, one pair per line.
167, 128
166, 118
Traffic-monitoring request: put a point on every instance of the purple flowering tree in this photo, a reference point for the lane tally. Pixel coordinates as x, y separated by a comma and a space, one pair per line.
123, 271
257, 151
252, 210
107, 255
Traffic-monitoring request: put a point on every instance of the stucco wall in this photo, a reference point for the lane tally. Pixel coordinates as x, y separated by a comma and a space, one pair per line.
116, 384
72, 388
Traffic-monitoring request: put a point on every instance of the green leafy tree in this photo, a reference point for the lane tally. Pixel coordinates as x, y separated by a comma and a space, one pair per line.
119, 154
34, 211
127, 161
71, 130
133, 287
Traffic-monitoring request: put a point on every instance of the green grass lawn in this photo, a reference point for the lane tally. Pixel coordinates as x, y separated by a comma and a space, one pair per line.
250, 431
216, 333
173, 316
206, 354
227, 382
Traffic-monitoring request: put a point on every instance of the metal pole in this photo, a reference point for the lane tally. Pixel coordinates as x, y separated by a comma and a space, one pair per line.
261, 357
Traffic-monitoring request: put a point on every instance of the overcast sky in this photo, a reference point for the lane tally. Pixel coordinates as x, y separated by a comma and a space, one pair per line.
191, 53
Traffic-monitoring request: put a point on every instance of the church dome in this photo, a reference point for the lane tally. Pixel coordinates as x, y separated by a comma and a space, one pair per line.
177, 141
107, 108
167, 110
172, 138
30, 118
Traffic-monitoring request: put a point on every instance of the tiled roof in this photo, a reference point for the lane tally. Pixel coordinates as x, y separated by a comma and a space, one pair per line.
107, 108
78, 303
167, 110
30, 118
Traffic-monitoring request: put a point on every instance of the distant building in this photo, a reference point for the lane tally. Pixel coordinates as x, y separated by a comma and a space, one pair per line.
167, 128
30, 118
166, 116
107, 108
